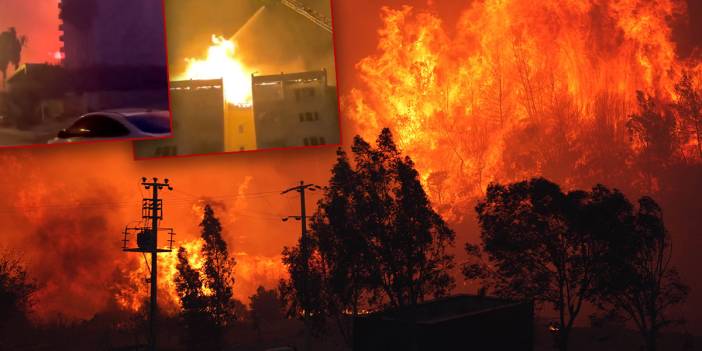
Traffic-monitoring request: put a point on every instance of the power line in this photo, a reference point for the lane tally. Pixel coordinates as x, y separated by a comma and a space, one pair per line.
255, 195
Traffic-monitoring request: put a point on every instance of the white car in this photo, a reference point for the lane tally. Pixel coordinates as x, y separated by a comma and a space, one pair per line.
116, 124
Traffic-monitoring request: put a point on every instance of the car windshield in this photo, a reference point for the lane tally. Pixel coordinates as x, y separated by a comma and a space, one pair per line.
151, 124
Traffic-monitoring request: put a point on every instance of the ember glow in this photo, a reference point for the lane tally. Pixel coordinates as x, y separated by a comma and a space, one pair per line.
459, 100
221, 62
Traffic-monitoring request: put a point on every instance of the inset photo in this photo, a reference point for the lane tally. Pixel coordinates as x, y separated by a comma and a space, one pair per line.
248, 75
82, 71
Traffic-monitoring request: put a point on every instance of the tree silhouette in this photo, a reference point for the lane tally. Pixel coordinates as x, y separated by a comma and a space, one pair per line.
342, 245
206, 297
534, 247
375, 239
10, 50
637, 281
568, 248
201, 329
408, 238
218, 269
16, 289
265, 307
16, 295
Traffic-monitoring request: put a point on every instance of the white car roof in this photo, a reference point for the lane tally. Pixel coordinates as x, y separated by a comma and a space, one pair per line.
127, 112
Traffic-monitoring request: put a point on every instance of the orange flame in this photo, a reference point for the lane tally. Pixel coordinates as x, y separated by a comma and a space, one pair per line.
249, 272
221, 62
454, 100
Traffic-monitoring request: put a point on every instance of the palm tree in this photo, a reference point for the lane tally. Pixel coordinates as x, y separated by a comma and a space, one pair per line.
10, 50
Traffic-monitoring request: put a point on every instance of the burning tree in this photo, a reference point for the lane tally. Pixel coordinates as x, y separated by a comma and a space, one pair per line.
690, 105
523, 89
375, 238
206, 297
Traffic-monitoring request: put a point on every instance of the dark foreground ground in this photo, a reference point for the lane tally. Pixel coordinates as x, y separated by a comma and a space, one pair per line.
120, 332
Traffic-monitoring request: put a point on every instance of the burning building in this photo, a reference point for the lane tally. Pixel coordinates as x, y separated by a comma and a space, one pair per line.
295, 109
261, 109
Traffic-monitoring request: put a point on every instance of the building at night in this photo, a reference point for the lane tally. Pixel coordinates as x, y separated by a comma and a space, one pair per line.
462, 322
114, 53
198, 121
294, 109
112, 33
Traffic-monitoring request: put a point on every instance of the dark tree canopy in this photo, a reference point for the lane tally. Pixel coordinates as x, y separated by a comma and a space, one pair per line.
266, 308
565, 249
10, 50
206, 297
218, 268
637, 281
375, 240
16, 290
201, 331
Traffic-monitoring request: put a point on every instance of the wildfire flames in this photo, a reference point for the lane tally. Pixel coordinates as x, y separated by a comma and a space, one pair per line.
467, 104
516, 89
221, 62
249, 272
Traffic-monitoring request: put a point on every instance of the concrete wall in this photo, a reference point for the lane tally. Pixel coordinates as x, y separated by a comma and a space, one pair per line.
298, 109
198, 121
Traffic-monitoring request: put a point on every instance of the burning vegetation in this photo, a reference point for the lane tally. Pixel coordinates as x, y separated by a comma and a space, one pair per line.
519, 89
582, 92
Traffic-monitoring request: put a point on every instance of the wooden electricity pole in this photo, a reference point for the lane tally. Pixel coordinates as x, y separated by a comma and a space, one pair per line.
304, 251
147, 241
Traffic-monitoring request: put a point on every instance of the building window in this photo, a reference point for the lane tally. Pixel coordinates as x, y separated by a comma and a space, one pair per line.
303, 93
309, 116
314, 141
241, 128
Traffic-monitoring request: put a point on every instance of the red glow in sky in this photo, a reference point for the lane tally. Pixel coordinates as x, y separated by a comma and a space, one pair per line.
36, 19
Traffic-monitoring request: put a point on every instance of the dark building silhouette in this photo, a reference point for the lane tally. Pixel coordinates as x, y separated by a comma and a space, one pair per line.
114, 53
462, 322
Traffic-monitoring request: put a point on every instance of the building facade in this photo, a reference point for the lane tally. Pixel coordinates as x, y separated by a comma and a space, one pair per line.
295, 109
197, 111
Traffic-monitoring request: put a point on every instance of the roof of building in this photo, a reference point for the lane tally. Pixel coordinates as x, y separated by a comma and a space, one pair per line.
40, 71
289, 77
446, 308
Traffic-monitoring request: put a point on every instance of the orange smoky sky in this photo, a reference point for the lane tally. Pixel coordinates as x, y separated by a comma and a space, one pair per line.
38, 21
64, 207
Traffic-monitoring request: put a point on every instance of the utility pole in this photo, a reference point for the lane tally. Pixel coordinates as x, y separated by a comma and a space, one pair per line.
304, 250
147, 241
